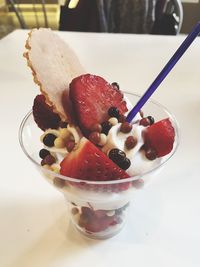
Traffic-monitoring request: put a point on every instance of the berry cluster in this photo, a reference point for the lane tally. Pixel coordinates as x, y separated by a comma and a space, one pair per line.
61, 138
48, 160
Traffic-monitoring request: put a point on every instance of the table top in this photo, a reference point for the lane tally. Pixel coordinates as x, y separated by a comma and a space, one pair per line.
163, 229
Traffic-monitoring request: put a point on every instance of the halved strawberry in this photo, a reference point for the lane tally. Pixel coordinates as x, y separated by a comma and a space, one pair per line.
160, 137
92, 97
44, 115
87, 162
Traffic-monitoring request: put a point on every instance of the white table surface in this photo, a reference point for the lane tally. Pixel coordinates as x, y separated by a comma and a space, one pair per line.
164, 225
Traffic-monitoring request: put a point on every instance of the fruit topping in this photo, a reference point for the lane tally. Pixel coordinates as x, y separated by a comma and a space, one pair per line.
144, 122
49, 139
92, 97
70, 144
113, 112
87, 162
44, 115
151, 120
94, 137
49, 160
125, 164
43, 153
160, 137
147, 121
125, 127
150, 154
106, 126
130, 142
119, 157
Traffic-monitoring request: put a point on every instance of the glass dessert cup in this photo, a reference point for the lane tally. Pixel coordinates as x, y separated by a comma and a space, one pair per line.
97, 209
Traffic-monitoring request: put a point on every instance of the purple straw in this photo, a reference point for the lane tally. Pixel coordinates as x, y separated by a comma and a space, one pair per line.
168, 67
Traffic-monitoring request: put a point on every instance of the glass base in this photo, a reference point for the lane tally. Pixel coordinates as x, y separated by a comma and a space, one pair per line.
98, 224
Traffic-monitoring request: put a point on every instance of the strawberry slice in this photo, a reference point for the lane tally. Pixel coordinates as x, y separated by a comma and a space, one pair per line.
160, 137
87, 162
44, 115
92, 97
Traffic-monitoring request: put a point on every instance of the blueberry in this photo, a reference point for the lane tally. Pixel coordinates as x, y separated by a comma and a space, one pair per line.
49, 139
106, 126
151, 120
117, 155
125, 164
113, 112
43, 153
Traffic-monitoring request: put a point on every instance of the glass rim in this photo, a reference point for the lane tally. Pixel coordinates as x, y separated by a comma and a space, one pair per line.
117, 181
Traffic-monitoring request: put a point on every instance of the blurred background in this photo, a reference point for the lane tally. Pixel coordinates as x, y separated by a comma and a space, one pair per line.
125, 16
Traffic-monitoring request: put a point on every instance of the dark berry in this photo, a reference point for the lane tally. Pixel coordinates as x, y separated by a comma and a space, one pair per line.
94, 137
43, 153
113, 112
70, 145
125, 127
116, 155
63, 124
130, 142
125, 164
106, 126
144, 122
151, 120
49, 139
150, 154
49, 160
116, 85
43, 162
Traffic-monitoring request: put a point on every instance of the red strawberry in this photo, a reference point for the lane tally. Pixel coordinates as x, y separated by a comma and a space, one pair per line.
87, 162
92, 97
44, 115
160, 137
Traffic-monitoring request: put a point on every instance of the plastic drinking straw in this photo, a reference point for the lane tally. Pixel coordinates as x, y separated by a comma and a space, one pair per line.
164, 72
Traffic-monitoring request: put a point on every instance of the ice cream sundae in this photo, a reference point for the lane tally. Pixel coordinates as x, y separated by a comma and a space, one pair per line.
87, 148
